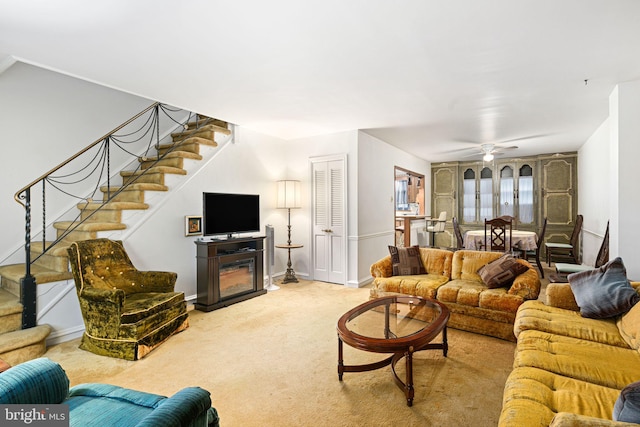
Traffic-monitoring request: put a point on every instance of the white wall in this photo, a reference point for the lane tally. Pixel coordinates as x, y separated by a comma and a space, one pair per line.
376, 211
625, 151
608, 178
297, 154
594, 192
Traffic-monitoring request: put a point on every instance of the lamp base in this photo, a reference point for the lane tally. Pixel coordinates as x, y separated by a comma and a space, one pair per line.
290, 276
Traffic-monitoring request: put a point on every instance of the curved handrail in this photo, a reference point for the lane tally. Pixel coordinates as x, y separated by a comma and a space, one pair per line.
81, 152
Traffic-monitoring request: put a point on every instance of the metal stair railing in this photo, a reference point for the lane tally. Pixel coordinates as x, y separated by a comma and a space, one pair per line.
85, 172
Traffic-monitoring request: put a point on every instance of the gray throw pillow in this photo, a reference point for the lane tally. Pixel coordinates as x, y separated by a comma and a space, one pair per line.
627, 406
603, 292
406, 261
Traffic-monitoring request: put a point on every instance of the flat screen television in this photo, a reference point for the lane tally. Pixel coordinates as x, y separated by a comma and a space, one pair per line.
225, 213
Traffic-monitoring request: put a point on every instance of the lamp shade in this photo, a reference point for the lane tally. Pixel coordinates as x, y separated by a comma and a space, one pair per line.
288, 194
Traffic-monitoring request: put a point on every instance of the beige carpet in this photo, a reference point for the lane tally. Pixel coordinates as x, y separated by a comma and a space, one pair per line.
272, 361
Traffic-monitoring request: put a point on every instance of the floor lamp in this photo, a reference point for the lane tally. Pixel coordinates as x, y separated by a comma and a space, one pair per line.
289, 198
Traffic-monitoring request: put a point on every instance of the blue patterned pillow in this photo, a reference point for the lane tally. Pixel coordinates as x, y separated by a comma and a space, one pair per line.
627, 406
603, 292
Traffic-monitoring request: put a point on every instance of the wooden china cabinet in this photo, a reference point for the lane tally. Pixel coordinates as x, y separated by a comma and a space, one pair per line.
527, 188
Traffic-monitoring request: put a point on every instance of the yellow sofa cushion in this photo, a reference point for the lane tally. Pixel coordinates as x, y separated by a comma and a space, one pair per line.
465, 264
535, 315
596, 363
533, 396
422, 285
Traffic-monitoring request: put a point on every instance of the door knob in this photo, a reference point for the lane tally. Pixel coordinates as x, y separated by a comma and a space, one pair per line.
328, 230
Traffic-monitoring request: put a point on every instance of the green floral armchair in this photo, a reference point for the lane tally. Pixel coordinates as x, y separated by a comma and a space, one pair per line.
126, 312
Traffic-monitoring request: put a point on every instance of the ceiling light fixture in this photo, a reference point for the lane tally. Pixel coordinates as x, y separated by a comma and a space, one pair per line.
487, 157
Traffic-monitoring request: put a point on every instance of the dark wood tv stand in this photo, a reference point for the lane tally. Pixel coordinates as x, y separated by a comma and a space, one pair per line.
240, 261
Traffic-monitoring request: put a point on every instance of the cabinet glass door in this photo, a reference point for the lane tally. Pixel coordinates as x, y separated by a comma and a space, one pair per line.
525, 194
477, 189
507, 192
486, 194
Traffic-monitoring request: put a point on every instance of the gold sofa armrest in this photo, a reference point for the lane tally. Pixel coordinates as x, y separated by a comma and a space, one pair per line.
113, 296
568, 419
527, 285
560, 295
101, 311
382, 268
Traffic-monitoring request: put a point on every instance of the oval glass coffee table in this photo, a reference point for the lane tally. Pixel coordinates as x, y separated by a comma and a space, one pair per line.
396, 324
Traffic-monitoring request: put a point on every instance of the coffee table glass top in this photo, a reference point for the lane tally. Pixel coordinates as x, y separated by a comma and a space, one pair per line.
406, 317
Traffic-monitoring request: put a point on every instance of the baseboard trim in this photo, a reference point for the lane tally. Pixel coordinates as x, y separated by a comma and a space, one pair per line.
58, 337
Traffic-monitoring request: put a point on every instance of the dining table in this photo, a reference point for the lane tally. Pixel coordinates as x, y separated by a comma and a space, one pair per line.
525, 240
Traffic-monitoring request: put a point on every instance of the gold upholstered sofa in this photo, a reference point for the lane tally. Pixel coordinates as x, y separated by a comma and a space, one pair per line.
571, 370
453, 278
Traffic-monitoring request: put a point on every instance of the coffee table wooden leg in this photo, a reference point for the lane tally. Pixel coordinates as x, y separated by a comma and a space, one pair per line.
445, 343
340, 360
408, 387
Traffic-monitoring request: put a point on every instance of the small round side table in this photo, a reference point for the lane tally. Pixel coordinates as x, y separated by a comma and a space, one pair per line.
290, 275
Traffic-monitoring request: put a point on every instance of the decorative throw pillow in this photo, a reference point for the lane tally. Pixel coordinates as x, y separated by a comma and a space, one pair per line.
501, 272
603, 292
406, 261
627, 406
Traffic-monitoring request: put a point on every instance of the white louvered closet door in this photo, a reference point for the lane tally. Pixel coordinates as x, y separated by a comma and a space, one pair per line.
329, 221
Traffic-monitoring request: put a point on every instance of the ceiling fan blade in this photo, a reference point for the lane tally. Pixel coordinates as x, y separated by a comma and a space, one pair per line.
498, 148
459, 150
476, 154
525, 138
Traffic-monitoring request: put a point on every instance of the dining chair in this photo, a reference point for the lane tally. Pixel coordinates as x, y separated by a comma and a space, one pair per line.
458, 233
436, 226
526, 254
511, 219
497, 235
566, 250
564, 269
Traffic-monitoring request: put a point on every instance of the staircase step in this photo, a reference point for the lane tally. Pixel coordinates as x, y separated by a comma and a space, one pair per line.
92, 206
207, 131
15, 272
107, 212
26, 344
133, 192
205, 120
147, 178
55, 258
198, 140
10, 312
150, 162
86, 230
154, 169
186, 145
90, 226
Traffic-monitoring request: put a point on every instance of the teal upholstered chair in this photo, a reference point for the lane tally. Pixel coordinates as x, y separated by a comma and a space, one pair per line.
126, 312
42, 381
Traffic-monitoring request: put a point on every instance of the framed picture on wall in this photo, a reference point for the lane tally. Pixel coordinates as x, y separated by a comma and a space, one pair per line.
193, 225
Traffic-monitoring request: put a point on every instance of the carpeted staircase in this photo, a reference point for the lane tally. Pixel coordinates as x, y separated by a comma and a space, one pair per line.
18, 345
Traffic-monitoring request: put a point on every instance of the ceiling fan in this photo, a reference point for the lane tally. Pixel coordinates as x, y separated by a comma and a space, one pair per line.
489, 151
